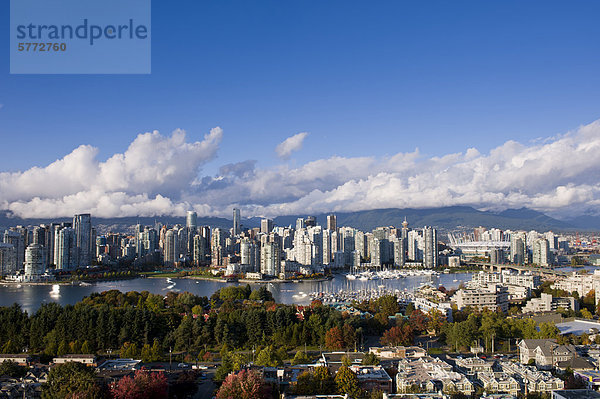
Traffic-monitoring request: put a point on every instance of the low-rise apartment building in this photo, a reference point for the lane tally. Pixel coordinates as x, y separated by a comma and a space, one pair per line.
531, 379
432, 375
548, 303
499, 383
492, 297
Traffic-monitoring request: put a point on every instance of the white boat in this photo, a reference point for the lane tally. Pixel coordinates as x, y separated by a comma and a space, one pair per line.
350, 276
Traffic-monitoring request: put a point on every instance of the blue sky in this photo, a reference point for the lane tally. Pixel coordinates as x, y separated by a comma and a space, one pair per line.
363, 78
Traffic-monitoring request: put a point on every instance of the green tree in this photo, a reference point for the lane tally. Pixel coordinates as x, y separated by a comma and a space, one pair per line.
586, 314
62, 348
156, 351
261, 294
370, 359
268, 357
324, 382
300, 358
71, 380
85, 347
347, 382
12, 369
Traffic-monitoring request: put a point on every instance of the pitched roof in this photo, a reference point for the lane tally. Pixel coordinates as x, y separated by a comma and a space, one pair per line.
577, 363
534, 343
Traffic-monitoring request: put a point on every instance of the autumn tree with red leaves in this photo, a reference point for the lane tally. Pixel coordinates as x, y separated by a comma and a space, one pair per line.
398, 335
246, 384
143, 384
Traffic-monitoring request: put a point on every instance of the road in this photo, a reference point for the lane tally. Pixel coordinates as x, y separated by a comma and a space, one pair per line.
206, 388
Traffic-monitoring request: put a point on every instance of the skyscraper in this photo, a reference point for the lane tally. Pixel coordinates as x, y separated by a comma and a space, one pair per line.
8, 259
171, 253
331, 222
17, 240
191, 221
64, 249
541, 252
82, 227
236, 222
310, 221
430, 252
270, 258
266, 225
34, 260
399, 252
517, 248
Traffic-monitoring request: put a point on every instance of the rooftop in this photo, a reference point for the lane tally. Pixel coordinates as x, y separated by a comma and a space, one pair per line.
578, 327
576, 394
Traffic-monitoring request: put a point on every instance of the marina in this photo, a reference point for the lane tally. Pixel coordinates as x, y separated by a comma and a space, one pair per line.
387, 274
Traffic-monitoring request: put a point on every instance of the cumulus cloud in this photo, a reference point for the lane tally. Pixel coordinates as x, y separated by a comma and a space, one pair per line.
144, 180
159, 175
293, 143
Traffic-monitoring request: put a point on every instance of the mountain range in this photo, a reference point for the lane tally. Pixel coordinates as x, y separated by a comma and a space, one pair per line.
446, 218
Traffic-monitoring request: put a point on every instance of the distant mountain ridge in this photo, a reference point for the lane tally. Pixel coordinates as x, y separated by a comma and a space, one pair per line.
445, 218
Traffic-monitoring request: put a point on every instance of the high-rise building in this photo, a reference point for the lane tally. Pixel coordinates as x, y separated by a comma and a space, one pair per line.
331, 222
17, 240
310, 221
404, 233
250, 254
517, 248
137, 236
236, 222
170, 249
430, 252
191, 220
383, 235
399, 252
415, 245
82, 227
327, 258
360, 244
270, 259
65, 254
199, 254
34, 261
541, 252
50, 239
376, 250
266, 225
8, 259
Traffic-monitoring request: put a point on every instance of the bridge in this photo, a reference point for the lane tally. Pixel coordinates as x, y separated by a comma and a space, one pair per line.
498, 267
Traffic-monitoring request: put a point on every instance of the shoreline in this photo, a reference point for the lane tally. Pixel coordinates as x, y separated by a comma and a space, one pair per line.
243, 280
203, 278
74, 282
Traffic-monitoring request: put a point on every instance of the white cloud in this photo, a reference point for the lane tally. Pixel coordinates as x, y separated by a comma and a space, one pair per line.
159, 175
289, 145
143, 180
